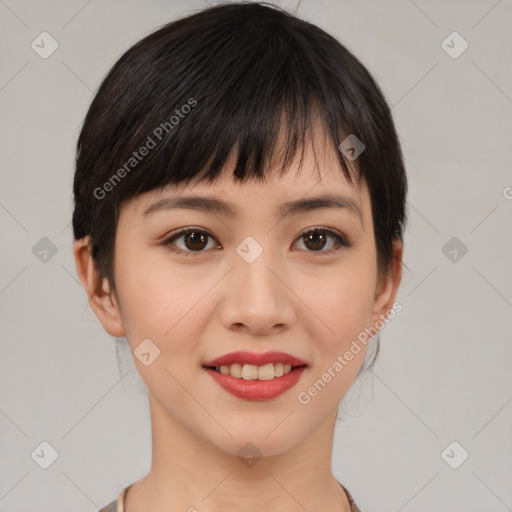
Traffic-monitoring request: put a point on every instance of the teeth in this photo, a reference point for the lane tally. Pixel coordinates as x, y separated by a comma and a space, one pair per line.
253, 372
249, 372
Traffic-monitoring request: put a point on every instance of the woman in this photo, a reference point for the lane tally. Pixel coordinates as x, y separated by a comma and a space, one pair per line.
239, 208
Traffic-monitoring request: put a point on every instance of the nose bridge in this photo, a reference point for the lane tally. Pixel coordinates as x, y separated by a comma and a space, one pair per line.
253, 274
255, 296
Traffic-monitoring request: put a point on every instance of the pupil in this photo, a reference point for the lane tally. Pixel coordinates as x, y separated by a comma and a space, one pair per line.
192, 240
318, 240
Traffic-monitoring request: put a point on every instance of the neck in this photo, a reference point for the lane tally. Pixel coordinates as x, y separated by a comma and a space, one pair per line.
189, 473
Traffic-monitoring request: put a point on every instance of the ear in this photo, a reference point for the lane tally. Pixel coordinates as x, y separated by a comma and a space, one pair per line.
387, 285
102, 301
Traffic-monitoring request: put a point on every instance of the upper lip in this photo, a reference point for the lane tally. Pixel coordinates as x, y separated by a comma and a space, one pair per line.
254, 358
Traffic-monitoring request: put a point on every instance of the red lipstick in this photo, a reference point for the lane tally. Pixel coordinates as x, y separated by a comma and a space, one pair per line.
256, 389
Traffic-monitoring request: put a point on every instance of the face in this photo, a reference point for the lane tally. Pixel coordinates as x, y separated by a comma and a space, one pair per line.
252, 275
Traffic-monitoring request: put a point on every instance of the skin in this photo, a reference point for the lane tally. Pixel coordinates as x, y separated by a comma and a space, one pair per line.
194, 308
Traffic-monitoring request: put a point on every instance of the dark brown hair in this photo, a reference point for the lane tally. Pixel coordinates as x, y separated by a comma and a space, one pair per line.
228, 79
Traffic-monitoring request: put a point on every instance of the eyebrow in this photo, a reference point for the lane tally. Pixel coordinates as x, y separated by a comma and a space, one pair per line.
228, 209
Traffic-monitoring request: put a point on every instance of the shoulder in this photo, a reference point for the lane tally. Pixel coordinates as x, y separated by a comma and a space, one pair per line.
116, 505
111, 507
353, 506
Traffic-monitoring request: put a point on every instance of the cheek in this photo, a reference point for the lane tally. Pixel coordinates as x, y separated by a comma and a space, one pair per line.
161, 303
166, 304
344, 301
155, 296
342, 310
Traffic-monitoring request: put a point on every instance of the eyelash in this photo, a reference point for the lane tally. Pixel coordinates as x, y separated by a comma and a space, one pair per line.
342, 242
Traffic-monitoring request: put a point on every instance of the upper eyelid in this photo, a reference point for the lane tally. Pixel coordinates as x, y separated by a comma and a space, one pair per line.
186, 230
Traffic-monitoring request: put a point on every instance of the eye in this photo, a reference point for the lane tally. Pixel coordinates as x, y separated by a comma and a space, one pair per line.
316, 239
194, 240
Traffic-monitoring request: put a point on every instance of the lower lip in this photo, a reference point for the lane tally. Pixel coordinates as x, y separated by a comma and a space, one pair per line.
257, 389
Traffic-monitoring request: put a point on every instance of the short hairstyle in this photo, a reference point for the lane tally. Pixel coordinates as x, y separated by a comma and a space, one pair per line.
226, 82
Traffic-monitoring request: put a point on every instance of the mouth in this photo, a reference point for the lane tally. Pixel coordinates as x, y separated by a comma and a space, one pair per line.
253, 376
255, 366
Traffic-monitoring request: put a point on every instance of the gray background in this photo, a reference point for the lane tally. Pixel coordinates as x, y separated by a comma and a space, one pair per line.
443, 374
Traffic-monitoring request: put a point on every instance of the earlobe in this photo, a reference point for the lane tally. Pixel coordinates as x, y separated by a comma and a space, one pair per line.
387, 287
97, 289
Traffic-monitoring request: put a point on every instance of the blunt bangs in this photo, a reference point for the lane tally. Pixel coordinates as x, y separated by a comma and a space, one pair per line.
241, 81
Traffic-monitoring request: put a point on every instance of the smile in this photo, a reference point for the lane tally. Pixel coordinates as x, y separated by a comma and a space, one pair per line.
256, 376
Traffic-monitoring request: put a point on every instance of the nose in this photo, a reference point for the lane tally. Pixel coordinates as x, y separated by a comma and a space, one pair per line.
258, 296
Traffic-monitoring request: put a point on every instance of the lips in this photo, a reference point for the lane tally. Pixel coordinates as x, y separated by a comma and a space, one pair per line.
248, 385
253, 358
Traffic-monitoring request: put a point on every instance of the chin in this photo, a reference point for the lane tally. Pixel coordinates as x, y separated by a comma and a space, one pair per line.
256, 442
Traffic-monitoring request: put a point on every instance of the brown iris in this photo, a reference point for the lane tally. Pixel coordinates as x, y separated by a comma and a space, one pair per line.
195, 240
314, 240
